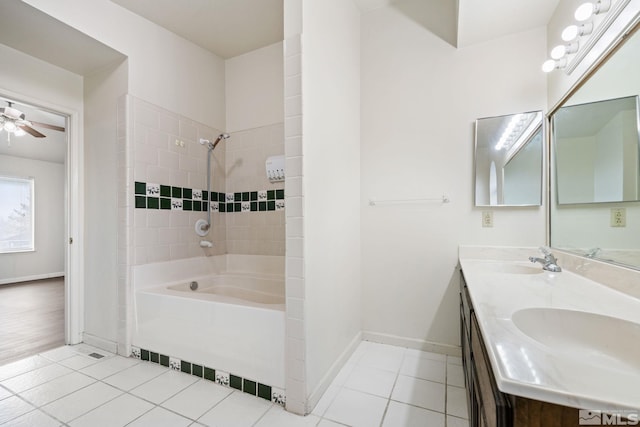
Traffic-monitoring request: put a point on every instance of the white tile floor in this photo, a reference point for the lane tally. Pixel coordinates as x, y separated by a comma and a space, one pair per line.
380, 385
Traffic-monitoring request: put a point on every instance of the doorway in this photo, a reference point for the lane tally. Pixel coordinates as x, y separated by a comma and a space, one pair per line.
34, 225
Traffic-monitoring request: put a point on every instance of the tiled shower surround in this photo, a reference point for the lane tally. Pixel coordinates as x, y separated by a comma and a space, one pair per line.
167, 153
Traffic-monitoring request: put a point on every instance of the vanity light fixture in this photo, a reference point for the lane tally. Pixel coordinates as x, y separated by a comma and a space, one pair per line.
572, 32
586, 25
587, 10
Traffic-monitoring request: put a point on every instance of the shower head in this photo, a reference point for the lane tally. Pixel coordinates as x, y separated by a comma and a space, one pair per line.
211, 145
220, 138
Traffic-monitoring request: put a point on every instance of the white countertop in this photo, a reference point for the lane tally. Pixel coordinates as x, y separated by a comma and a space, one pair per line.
564, 374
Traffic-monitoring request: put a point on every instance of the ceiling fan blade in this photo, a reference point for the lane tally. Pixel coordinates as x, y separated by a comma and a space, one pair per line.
31, 131
47, 126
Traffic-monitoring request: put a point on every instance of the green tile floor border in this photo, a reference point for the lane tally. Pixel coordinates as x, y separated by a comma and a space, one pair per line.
236, 382
162, 198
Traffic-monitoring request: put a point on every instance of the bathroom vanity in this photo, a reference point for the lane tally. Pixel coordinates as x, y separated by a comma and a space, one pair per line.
545, 348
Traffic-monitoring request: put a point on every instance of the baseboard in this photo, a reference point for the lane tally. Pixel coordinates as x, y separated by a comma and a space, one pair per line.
101, 343
417, 344
30, 278
315, 396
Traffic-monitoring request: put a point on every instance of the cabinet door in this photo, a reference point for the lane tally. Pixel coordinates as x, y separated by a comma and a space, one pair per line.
495, 406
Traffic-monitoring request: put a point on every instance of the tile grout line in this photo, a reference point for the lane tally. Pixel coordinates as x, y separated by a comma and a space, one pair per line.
395, 381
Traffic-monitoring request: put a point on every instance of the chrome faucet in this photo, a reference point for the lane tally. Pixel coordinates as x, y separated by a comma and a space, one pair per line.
549, 262
593, 253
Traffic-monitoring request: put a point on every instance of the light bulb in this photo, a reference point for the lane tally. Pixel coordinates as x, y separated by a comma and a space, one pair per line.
10, 126
558, 51
549, 65
574, 31
584, 11
570, 33
19, 132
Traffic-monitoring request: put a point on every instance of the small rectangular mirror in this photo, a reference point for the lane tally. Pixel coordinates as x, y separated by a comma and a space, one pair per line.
508, 160
596, 151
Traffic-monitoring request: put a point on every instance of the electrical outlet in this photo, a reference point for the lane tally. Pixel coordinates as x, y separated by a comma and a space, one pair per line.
487, 218
618, 217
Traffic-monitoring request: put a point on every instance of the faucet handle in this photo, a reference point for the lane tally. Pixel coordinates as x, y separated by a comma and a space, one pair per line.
545, 250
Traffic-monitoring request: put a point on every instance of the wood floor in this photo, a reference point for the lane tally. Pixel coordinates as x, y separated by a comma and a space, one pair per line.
31, 318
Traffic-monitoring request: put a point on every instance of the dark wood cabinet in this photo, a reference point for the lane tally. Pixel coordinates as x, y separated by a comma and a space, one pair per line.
487, 405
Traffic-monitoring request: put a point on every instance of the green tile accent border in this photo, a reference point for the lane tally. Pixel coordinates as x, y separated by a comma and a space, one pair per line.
246, 385
178, 198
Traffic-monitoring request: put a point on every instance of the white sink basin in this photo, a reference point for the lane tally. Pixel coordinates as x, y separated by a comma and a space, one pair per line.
602, 339
512, 268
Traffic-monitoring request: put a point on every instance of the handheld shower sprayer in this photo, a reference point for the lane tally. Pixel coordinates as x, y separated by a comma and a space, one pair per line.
202, 226
211, 145
220, 138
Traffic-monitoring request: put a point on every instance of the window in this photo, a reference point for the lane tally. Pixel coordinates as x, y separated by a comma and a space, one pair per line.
16, 214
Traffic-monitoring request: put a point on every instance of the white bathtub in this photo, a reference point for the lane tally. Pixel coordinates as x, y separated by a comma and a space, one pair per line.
233, 322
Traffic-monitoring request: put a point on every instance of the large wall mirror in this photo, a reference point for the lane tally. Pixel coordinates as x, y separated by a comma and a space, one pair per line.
596, 151
508, 160
595, 163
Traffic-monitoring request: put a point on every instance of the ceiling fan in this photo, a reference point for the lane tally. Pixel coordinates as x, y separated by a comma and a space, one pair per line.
13, 121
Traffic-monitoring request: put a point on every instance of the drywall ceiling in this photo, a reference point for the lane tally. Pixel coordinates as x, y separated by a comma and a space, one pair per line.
230, 28
227, 28
52, 148
480, 21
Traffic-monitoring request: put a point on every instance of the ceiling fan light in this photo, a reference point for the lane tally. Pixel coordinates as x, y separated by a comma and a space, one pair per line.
19, 132
10, 126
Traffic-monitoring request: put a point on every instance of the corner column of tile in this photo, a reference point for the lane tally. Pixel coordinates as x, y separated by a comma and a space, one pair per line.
294, 216
125, 222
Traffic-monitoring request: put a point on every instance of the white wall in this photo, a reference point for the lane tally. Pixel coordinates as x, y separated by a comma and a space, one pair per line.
164, 69
33, 79
254, 89
331, 184
48, 258
420, 97
101, 191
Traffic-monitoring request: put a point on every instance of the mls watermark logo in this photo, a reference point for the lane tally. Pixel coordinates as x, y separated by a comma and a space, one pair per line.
600, 418
590, 418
